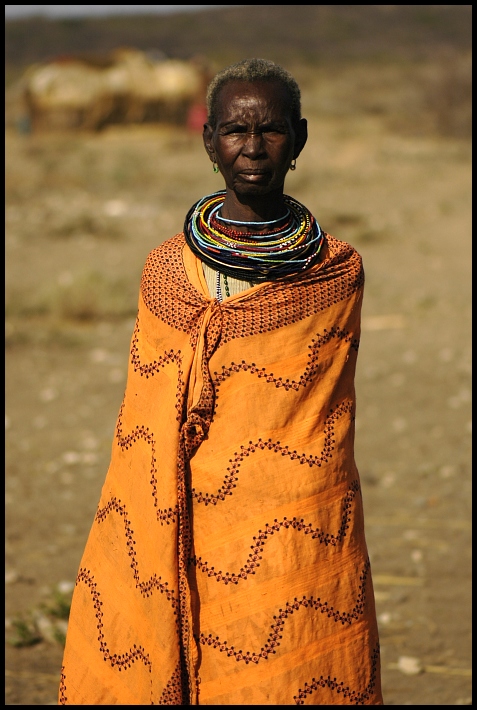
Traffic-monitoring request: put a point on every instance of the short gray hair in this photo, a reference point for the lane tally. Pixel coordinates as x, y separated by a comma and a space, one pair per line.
253, 70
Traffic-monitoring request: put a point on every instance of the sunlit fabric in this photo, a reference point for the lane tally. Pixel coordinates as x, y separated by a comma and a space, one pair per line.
227, 562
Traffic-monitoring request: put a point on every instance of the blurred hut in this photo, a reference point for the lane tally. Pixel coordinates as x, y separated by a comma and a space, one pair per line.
128, 87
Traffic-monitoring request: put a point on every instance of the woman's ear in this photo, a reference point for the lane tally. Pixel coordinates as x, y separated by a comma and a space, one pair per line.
301, 136
207, 135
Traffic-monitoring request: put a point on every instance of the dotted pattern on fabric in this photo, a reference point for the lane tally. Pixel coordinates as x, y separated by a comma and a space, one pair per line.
352, 696
277, 628
145, 587
259, 540
151, 368
172, 298
231, 479
173, 692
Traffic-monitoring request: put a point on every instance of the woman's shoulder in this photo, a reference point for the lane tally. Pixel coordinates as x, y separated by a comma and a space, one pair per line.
164, 260
168, 253
336, 257
339, 249
340, 268
168, 247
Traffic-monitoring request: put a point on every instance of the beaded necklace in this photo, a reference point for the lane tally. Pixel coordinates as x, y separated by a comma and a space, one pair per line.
291, 243
218, 287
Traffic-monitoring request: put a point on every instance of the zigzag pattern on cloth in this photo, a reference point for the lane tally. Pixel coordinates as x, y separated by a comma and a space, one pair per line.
352, 696
275, 636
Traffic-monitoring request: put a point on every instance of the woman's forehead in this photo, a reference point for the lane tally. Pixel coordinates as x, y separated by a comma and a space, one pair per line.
267, 96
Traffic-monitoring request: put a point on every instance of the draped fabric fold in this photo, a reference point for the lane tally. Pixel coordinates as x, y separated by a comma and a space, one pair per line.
227, 560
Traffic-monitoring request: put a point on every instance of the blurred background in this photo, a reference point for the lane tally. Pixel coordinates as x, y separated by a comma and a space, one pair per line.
104, 156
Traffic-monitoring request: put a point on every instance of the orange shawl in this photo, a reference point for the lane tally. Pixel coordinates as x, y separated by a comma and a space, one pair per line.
227, 561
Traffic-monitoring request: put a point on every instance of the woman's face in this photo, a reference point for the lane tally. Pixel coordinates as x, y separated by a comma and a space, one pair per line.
254, 140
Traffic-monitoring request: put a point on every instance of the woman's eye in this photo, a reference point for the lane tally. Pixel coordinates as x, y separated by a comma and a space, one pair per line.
242, 130
274, 129
230, 130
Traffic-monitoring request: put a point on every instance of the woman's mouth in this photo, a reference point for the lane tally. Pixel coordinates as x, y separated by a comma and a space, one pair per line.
253, 175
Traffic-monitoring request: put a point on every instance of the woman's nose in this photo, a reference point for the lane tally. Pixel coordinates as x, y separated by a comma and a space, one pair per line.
253, 144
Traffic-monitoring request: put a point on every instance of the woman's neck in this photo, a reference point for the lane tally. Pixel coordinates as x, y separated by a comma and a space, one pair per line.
251, 208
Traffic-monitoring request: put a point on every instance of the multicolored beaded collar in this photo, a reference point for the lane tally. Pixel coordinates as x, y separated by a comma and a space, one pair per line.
291, 243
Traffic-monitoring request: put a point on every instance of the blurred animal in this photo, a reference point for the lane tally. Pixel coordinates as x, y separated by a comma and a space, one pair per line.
125, 87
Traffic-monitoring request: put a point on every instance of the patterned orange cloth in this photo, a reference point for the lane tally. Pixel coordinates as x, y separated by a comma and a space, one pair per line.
227, 561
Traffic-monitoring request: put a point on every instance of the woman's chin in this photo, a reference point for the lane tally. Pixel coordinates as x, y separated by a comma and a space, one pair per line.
253, 187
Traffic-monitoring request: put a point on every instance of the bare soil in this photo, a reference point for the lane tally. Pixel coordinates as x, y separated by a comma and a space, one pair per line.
82, 213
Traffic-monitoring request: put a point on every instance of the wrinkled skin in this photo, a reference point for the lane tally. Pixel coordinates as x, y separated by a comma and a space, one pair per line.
253, 144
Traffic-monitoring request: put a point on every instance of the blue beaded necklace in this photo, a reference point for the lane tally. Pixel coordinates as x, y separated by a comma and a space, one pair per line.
288, 245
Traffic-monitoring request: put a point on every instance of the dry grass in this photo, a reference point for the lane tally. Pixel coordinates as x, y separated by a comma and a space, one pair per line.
426, 98
47, 622
87, 297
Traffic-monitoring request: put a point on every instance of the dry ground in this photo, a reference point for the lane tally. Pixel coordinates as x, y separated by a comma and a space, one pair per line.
83, 212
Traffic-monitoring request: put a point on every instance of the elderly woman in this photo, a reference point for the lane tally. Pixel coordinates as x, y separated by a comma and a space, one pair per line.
227, 562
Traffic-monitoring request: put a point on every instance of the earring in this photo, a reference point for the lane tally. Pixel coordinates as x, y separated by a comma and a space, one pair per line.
293, 164
215, 167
